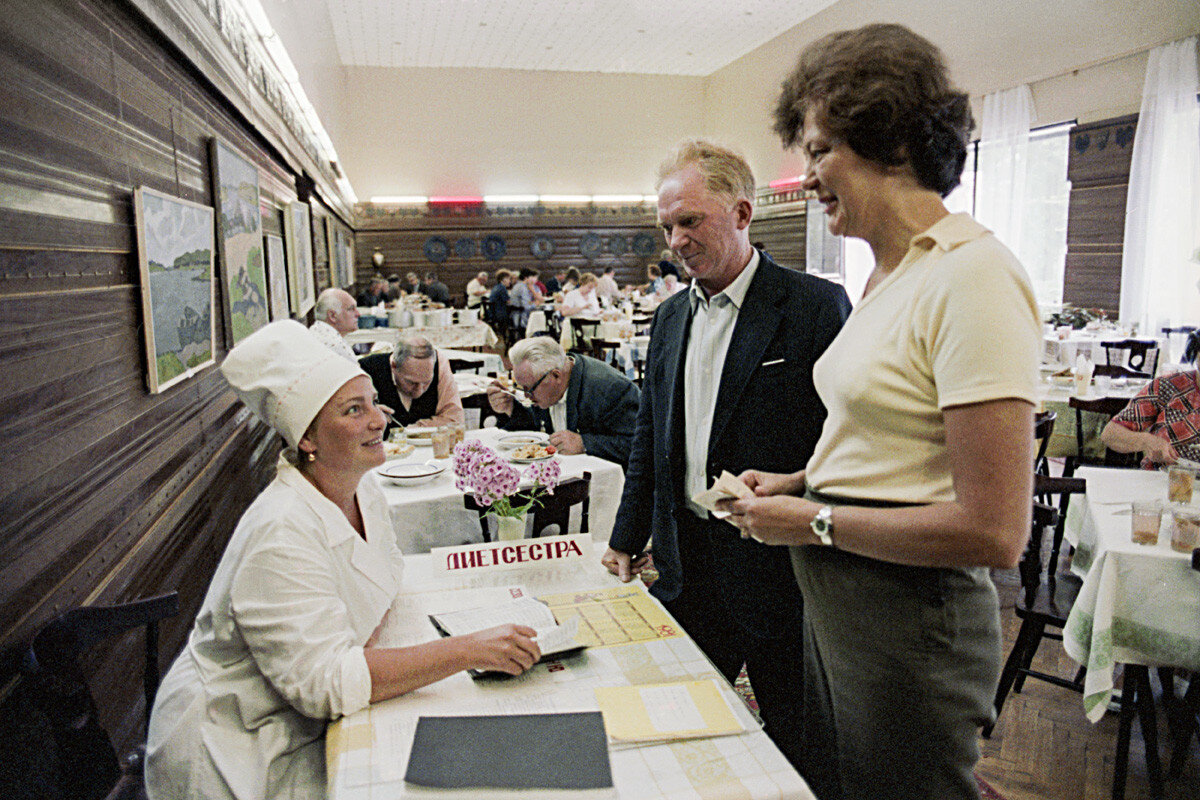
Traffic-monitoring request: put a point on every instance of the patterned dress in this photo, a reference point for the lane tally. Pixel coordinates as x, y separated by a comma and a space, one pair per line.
1168, 407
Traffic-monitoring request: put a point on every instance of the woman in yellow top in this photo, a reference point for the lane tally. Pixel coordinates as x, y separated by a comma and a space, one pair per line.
922, 476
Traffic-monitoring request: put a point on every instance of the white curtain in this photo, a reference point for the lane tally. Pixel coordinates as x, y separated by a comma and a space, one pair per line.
1159, 269
1000, 198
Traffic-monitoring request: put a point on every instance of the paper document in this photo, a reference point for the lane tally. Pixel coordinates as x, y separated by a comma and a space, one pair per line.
666, 711
726, 487
551, 637
617, 616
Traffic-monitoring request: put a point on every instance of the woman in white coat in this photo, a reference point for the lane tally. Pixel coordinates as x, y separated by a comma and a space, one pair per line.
285, 638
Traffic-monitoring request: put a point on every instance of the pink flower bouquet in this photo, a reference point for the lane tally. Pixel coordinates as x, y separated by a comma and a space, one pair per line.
494, 482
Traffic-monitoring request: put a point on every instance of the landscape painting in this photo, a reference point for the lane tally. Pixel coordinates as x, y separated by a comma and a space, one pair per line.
277, 277
240, 243
175, 253
297, 229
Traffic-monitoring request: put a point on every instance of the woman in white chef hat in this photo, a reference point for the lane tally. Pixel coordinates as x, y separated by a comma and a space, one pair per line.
285, 638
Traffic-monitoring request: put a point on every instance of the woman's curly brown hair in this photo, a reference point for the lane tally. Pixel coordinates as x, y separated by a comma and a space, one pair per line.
885, 92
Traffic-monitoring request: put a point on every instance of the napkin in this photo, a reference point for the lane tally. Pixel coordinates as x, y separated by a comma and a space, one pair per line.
725, 487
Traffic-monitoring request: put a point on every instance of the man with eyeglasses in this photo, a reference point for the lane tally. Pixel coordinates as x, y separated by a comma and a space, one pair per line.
585, 405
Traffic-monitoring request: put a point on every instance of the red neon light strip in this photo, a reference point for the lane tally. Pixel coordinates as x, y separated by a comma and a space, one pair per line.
458, 201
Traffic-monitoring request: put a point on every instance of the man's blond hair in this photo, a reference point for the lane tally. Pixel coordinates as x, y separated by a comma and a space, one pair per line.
726, 174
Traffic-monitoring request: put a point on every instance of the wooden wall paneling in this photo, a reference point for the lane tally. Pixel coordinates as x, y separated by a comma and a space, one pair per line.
783, 237
1093, 216
106, 493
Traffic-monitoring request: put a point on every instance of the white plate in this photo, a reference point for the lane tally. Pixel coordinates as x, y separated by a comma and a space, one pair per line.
522, 438
516, 460
418, 431
411, 473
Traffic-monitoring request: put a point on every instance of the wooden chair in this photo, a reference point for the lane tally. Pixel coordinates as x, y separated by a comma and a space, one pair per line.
1184, 715
584, 330
1043, 429
466, 365
1137, 696
552, 514
1105, 406
1137, 354
62, 748
1104, 370
1044, 603
603, 347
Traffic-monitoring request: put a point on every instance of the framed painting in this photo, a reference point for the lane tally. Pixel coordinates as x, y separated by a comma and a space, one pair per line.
175, 256
333, 251
239, 243
297, 228
277, 277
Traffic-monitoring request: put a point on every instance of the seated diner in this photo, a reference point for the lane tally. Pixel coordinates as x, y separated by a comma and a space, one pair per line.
415, 385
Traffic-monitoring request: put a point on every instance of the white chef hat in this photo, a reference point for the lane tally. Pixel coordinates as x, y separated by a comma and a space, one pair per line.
285, 374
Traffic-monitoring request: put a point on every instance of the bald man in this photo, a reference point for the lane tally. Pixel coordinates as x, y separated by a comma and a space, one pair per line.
337, 315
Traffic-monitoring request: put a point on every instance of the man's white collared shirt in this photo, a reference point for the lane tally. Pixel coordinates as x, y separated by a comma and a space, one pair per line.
713, 321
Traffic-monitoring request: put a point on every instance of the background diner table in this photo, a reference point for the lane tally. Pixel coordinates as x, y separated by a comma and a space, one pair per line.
367, 752
1055, 392
474, 334
432, 514
1140, 604
1091, 343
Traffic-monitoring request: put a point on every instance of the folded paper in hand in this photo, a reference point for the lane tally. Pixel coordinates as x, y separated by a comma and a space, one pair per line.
725, 487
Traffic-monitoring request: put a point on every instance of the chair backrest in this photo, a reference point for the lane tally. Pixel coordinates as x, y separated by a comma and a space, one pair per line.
1114, 371
1138, 354
1043, 429
55, 745
601, 346
466, 365
1031, 567
551, 509
1108, 407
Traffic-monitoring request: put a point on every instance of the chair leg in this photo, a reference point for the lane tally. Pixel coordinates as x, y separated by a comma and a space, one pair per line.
1037, 630
1187, 710
1149, 721
1009, 673
1124, 727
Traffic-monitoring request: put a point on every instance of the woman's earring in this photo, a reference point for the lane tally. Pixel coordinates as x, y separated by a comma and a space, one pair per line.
311, 455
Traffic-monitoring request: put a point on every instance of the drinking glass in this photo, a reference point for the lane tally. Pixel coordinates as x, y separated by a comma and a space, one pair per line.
1147, 519
1185, 529
1180, 481
443, 439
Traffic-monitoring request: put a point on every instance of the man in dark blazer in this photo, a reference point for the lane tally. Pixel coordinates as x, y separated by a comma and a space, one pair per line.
728, 386
596, 405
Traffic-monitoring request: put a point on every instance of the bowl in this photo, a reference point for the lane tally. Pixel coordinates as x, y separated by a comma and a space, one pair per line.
411, 473
514, 440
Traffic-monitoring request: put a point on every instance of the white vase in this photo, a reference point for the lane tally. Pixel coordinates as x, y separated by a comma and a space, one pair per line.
510, 528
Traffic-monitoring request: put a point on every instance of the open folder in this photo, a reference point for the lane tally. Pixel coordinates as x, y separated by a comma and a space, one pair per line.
552, 639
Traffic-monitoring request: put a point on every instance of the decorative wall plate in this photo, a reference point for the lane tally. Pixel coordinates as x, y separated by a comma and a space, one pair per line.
643, 244
464, 247
494, 247
436, 249
618, 245
541, 247
590, 244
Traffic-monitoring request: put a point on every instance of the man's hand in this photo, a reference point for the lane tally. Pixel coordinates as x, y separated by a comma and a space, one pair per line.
623, 565
765, 484
499, 398
569, 443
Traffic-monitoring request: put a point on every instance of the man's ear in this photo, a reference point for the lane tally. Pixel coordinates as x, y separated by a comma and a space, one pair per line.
745, 212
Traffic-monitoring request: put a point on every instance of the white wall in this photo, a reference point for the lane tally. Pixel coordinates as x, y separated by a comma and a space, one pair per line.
471, 131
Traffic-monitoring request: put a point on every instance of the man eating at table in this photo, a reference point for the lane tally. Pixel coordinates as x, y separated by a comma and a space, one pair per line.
336, 315
585, 405
416, 385
728, 387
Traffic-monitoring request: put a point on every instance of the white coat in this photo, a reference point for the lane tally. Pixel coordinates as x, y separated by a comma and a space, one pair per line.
277, 648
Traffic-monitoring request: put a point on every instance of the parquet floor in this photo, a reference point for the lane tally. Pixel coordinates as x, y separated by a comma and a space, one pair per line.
1044, 748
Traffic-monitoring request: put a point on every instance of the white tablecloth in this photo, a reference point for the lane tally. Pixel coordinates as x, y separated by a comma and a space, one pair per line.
476, 335
367, 752
1091, 344
1140, 604
432, 514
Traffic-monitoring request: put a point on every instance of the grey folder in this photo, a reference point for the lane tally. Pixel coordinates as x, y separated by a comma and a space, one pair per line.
519, 751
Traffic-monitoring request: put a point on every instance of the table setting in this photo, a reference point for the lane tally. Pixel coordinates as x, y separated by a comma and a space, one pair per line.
428, 511
1133, 533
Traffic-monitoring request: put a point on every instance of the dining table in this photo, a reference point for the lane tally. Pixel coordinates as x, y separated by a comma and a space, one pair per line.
465, 335
1065, 347
634, 647
1140, 603
1054, 393
433, 514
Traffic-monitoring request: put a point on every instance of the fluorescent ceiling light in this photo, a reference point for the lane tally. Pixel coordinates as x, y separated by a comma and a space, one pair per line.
400, 200
499, 199
566, 198
618, 198
650, 198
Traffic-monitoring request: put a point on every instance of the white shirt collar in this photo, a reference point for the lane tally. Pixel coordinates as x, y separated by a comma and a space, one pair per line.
735, 291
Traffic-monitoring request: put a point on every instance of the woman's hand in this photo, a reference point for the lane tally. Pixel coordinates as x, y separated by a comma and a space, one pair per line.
769, 483
1159, 450
504, 648
779, 519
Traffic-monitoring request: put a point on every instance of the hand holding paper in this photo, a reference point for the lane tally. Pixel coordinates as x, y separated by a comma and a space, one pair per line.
725, 487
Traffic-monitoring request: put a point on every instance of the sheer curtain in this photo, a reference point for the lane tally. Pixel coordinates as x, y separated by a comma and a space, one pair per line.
1000, 195
1158, 270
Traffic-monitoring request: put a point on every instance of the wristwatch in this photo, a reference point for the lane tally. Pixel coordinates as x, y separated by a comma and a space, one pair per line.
822, 525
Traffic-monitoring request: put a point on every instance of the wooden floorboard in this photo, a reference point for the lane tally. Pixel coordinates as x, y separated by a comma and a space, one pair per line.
1044, 748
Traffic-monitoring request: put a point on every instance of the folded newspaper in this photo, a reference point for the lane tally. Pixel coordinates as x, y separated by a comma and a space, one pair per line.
726, 487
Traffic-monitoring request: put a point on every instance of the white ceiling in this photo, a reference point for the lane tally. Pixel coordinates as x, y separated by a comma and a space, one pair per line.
637, 36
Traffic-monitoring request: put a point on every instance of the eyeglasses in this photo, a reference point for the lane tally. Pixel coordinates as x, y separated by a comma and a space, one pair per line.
529, 392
